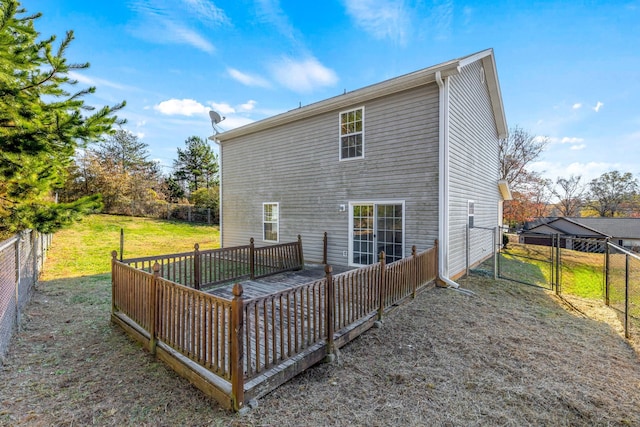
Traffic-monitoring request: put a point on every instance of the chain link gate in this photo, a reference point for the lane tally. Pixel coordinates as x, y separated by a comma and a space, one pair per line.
533, 260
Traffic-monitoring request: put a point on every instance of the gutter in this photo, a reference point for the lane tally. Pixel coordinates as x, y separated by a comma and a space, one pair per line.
443, 193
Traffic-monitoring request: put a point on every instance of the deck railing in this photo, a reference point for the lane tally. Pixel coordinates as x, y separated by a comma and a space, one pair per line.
225, 346
206, 268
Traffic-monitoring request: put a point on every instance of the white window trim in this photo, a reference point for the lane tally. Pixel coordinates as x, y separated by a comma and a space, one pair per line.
340, 135
277, 222
470, 204
374, 202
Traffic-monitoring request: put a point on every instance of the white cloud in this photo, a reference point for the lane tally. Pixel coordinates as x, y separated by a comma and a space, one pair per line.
588, 170
381, 19
271, 12
141, 123
161, 22
182, 107
577, 106
206, 11
303, 76
222, 108
248, 106
183, 35
598, 106
577, 147
95, 81
571, 140
234, 122
140, 134
247, 79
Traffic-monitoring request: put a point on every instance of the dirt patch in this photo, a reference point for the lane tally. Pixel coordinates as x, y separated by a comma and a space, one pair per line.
509, 355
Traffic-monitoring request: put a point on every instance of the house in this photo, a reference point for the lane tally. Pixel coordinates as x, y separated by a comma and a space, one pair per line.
623, 232
399, 163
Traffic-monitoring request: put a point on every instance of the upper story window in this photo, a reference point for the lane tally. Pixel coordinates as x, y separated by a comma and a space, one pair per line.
270, 222
352, 134
471, 212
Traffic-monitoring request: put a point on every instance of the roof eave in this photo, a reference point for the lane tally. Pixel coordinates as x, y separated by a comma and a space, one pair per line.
388, 87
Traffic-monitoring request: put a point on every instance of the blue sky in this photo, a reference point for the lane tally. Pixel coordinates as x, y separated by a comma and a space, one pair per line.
569, 71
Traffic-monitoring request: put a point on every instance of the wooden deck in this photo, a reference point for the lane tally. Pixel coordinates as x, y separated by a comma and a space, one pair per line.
240, 347
272, 284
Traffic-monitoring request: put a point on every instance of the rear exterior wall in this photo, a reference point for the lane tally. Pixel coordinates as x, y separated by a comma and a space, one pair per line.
297, 165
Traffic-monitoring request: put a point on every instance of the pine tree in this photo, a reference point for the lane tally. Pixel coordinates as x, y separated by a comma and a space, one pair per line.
197, 164
41, 124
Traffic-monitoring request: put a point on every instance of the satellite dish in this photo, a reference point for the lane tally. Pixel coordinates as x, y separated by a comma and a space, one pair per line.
215, 117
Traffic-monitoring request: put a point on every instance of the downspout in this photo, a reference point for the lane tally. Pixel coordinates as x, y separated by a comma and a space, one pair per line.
443, 193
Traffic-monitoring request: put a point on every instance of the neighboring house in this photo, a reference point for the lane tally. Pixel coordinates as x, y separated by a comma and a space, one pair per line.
620, 231
396, 164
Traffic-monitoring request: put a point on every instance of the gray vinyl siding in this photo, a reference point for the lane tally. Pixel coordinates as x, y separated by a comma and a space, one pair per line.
474, 168
298, 166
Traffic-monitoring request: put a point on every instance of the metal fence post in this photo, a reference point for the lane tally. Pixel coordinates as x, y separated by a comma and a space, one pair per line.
18, 277
607, 259
497, 245
626, 296
467, 249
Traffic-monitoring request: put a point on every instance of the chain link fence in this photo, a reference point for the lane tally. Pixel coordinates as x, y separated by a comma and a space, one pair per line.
587, 268
170, 211
21, 261
622, 286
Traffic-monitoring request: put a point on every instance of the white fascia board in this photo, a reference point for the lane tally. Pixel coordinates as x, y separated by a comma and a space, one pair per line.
491, 75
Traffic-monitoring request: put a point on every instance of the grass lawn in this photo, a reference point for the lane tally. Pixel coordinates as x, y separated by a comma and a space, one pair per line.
582, 272
86, 248
506, 355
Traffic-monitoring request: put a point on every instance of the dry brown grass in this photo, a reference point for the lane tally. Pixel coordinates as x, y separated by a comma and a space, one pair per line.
511, 355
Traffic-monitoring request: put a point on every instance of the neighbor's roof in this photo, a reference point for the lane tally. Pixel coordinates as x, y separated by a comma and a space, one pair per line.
397, 84
624, 228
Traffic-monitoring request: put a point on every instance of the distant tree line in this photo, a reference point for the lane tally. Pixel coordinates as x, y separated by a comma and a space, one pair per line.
119, 169
613, 194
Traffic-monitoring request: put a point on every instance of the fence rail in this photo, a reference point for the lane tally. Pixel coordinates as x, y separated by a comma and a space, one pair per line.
237, 346
210, 267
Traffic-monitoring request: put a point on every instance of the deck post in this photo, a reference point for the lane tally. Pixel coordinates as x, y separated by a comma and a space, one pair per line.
383, 274
252, 263
414, 258
237, 348
300, 254
196, 267
114, 258
153, 305
330, 307
324, 248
